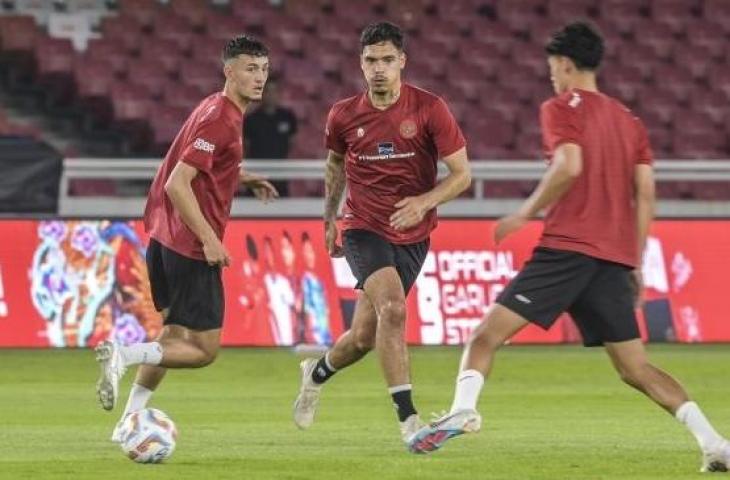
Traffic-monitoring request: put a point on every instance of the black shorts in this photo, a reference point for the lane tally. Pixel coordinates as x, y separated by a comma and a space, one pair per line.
367, 252
597, 293
191, 289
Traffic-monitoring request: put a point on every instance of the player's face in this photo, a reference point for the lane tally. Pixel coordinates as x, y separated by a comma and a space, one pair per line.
248, 76
560, 68
382, 63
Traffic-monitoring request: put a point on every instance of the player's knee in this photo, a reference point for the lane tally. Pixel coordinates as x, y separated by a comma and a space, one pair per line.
364, 341
207, 357
393, 312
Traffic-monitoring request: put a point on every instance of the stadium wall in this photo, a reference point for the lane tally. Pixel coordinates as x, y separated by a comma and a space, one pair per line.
70, 283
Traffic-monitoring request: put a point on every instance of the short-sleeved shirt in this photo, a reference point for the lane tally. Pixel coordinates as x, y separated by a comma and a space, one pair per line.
211, 141
391, 154
597, 216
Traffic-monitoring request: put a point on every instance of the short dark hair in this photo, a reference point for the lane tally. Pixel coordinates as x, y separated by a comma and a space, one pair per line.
580, 42
305, 237
285, 234
382, 32
244, 45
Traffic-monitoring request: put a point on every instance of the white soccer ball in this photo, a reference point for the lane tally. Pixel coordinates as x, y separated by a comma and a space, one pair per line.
148, 436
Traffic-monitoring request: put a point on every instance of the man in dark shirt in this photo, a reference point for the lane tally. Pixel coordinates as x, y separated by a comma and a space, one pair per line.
269, 130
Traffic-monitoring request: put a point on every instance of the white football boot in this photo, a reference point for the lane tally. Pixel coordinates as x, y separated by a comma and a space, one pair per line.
117, 432
305, 406
112, 370
433, 436
717, 458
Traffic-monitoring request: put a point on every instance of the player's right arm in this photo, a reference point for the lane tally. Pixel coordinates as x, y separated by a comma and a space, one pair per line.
334, 184
180, 191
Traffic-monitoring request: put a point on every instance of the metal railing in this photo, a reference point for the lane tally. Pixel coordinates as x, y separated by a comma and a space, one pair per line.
479, 206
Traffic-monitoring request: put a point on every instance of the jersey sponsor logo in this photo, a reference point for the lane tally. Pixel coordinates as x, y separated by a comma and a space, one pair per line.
360, 132
386, 151
203, 145
386, 148
523, 298
408, 128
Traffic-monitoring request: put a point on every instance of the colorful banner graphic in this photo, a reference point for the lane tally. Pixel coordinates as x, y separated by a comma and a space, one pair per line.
73, 283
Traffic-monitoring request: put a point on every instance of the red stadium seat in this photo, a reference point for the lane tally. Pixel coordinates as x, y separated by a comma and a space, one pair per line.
124, 31
176, 29
206, 76
149, 75
566, 10
108, 51
709, 36
193, 11
657, 36
18, 33
717, 12
54, 56
675, 80
690, 122
496, 36
708, 144
166, 55
180, 96
673, 13
641, 58
165, 123
625, 16
692, 59
143, 11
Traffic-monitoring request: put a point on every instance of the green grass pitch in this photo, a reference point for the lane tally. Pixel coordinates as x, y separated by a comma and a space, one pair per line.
549, 413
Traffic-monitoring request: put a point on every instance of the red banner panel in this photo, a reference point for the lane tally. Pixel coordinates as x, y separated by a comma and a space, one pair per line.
73, 283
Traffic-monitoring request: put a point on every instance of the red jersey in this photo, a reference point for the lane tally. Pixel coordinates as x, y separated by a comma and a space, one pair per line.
389, 155
597, 216
211, 141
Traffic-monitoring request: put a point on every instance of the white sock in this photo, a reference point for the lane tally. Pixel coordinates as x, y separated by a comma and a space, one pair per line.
690, 415
139, 396
142, 353
469, 385
327, 362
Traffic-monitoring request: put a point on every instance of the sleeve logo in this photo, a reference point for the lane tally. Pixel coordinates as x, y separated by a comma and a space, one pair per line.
204, 146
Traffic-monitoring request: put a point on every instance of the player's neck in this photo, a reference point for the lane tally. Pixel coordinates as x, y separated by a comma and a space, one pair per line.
381, 101
238, 101
584, 81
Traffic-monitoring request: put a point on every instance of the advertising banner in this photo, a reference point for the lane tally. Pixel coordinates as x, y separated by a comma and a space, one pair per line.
73, 283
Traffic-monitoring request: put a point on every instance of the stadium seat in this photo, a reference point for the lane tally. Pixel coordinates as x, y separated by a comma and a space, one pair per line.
124, 31
699, 144
143, 11
711, 37
176, 29
657, 36
674, 13
185, 97
106, 50
165, 123
624, 16
193, 11
717, 12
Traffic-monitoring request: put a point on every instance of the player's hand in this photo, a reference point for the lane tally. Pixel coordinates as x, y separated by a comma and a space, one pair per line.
637, 286
330, 239
215, 253
410, 212
508, 225
261, 188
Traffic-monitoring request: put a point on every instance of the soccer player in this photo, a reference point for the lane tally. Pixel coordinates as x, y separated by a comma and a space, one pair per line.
385, 144
186, 215
599, 191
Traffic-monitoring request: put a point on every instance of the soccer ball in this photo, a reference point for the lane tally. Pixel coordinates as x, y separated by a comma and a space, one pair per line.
148, 436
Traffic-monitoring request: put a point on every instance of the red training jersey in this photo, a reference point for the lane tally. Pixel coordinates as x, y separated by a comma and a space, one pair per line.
597, 216
211, 141
389, 155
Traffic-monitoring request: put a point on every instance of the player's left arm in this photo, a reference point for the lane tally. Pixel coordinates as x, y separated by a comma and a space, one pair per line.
411, 210
566, 167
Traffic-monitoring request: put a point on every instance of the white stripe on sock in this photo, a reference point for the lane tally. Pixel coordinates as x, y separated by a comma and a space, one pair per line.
400, 388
